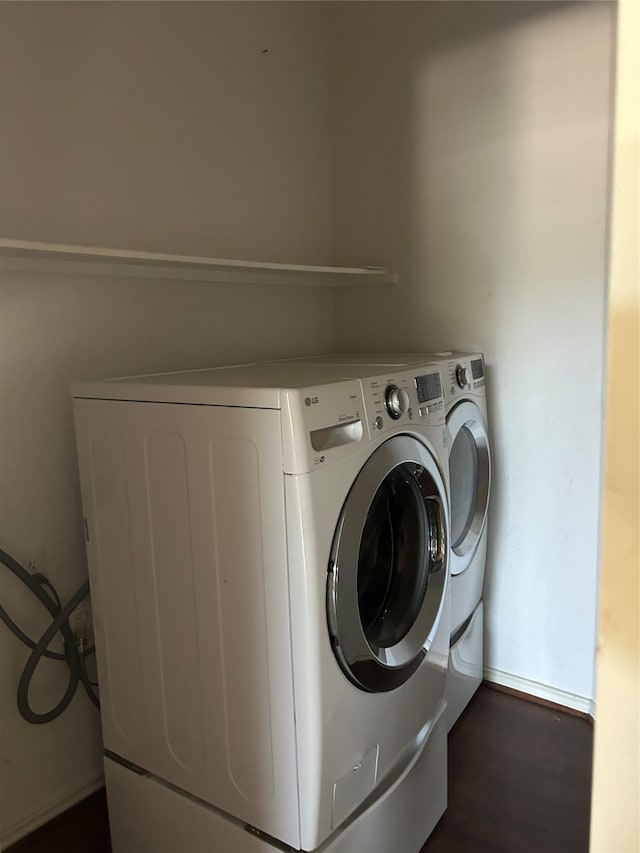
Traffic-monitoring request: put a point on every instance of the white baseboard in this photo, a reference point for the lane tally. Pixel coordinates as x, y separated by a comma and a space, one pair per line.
16, 831
541, 691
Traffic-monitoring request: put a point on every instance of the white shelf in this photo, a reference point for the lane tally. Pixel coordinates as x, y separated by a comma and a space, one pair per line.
91, 260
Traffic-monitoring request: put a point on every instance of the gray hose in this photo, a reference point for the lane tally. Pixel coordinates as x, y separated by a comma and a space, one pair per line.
60, 622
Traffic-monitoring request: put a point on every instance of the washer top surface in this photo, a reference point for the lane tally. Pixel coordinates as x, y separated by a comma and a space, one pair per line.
386, 359
257, 384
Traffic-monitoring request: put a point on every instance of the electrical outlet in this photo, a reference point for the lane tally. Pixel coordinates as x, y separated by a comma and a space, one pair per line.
34, 559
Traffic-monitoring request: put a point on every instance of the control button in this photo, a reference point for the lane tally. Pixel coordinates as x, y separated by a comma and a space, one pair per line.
423, 411
379, 423
461, 376
396, 400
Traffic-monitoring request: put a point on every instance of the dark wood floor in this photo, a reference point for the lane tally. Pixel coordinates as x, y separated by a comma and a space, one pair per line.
519, 779
519, 782
82, 829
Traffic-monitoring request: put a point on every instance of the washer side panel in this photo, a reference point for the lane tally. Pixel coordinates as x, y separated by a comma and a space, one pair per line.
188, 565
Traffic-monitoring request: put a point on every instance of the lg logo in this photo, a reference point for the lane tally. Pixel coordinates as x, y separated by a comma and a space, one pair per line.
311, 401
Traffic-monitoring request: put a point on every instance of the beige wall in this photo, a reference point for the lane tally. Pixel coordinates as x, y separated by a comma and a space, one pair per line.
198, 128
146, 126
616, 783
471, 151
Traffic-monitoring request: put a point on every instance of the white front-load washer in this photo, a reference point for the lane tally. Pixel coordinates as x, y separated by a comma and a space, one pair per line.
268, 556
468, 463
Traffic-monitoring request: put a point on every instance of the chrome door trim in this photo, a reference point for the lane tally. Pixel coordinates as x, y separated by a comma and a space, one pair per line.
374, 668
468, 414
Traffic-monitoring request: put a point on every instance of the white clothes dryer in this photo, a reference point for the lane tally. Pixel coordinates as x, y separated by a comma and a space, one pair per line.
468, 463
268, 556
469, 451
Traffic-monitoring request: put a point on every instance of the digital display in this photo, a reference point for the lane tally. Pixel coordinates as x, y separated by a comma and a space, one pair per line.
428, 387
477, 370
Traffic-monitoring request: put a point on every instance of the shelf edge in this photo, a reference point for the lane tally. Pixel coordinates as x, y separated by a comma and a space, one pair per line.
26, 255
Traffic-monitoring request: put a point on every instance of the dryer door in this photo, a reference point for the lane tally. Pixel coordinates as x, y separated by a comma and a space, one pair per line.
470, 479
388, 568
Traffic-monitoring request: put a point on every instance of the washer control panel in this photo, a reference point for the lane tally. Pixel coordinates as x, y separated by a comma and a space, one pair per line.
397, 401
404, 397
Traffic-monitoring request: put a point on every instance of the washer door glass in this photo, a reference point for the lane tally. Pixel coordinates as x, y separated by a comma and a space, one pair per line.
387, 574
392, 563
470, 478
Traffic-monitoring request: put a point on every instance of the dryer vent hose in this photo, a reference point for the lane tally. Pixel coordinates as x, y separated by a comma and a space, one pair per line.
74, 654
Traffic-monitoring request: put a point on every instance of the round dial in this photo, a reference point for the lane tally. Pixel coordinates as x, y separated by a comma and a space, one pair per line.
461, 375
396, 400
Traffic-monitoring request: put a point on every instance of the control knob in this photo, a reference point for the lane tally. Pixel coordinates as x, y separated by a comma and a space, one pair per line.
461, 376
397, 401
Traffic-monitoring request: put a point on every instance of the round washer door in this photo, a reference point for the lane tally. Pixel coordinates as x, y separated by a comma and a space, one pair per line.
388, 566
469, 481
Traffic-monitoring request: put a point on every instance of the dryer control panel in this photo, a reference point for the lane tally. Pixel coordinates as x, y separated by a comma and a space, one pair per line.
462, 375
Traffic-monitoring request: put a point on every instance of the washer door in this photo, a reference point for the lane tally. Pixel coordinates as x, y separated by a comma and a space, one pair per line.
470, 480
388, 567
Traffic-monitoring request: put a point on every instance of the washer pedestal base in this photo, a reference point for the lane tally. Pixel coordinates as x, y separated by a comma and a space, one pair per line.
148, 816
